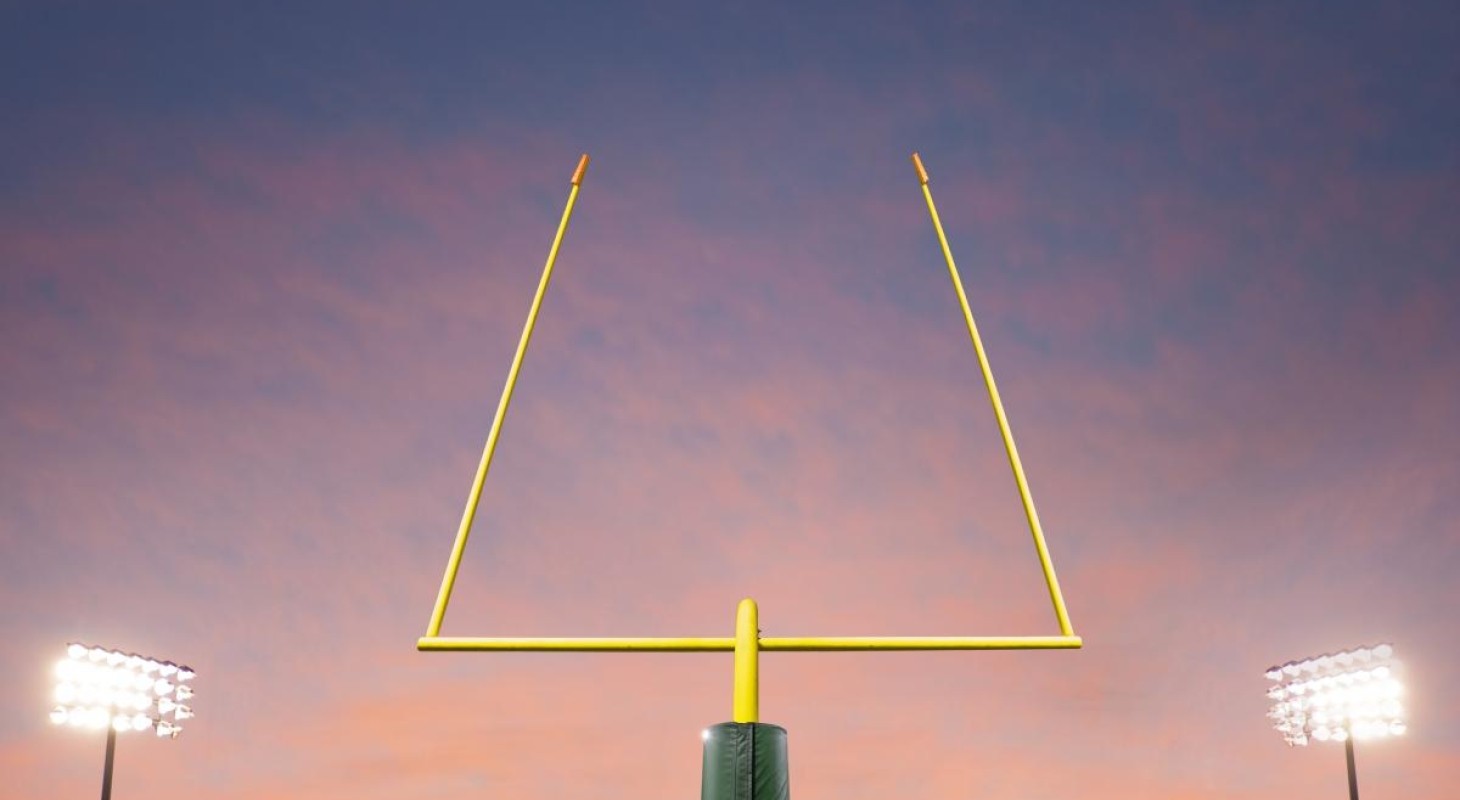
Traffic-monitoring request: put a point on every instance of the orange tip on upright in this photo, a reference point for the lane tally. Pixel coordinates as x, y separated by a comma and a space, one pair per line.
582, 168
918, 165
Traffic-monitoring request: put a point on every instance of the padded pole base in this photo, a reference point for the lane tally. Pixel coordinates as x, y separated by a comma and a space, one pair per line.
745, 761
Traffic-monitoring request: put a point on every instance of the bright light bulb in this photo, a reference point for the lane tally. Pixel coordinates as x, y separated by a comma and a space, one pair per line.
1397, 727
96, 654
167, 668
59, 715
76, 650
186, 674
77, 716
1383, 651
1321, 734
165, 706
184, 692
162, 688
1274, 673
113, 658
65, 692
141, 722
97, 718
182, 712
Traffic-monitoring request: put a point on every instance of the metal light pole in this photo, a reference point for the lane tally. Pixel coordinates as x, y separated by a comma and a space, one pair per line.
1353, 776
1338, 697
111, 756
100, 688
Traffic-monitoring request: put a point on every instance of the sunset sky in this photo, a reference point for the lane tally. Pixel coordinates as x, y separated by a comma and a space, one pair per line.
263, 268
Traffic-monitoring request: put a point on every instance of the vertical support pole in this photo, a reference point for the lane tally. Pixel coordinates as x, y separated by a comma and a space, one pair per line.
106, 770
747, 662
1353, 776
745, 761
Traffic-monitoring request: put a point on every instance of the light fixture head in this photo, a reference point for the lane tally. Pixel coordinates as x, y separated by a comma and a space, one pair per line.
99, 688
1350, 694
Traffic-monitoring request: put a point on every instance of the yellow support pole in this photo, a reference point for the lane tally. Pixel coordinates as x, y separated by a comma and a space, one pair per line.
464, 530
988, 378
747, 663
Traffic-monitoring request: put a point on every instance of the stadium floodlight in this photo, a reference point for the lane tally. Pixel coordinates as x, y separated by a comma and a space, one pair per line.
1338, 697
100, 688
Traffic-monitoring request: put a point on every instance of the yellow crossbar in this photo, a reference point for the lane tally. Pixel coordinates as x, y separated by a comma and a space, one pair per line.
724, 644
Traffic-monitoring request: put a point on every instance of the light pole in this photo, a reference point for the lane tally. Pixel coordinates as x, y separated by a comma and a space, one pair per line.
1338, 697
99, 688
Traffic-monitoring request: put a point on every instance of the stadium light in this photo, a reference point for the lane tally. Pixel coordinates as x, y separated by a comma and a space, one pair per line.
122, 692
1338, 697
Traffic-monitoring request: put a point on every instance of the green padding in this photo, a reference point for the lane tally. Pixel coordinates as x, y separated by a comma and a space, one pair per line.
745, 761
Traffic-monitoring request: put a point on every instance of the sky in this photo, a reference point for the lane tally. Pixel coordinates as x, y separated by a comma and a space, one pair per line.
263, 268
